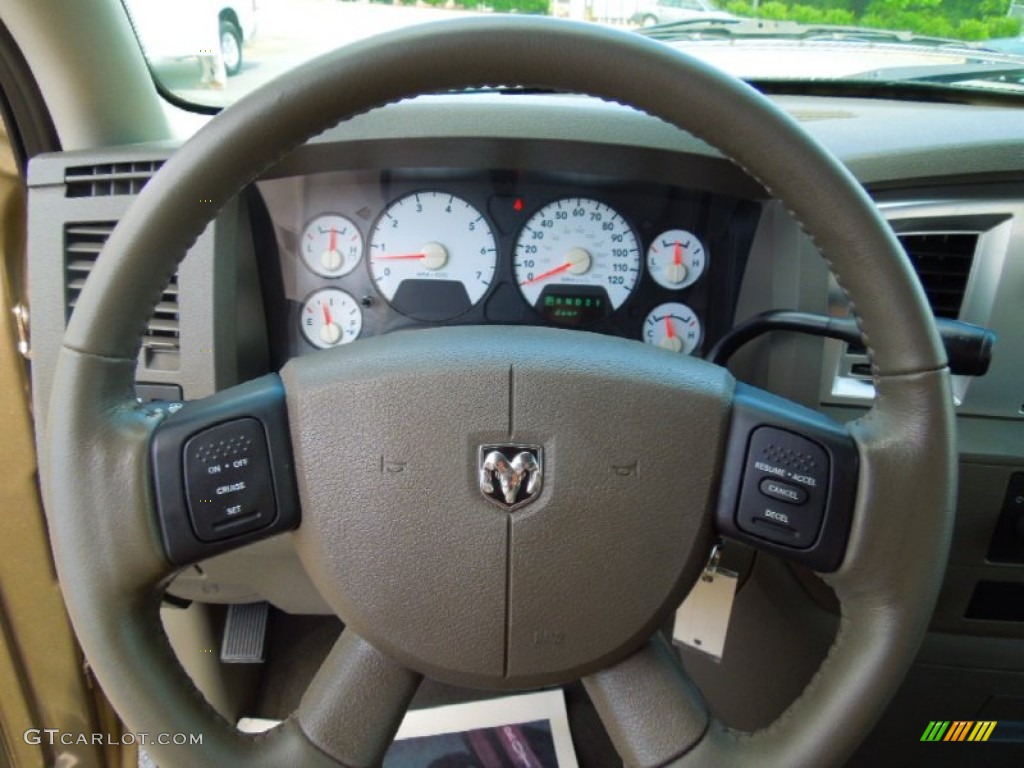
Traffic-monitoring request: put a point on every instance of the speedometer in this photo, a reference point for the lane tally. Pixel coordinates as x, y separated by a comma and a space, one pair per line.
576, 260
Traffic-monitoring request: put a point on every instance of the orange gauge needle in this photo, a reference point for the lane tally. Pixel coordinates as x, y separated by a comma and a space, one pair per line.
333, 244
668, 327
328, 320
549, 273
405, 256
677, 259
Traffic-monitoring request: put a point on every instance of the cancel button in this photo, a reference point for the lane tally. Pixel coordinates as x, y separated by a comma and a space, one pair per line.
776, 489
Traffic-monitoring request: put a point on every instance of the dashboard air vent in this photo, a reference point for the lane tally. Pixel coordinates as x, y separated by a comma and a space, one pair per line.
82, 245
109, 179
943, 264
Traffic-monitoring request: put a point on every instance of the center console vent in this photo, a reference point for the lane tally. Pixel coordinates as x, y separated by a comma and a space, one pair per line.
943, 263
109, 178
82, 245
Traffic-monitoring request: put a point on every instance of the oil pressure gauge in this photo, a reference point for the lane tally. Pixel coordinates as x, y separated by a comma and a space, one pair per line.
331, 245
330, 318
676, 259
673, 326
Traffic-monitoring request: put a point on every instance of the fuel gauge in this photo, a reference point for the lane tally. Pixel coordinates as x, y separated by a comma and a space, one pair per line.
330, 318
673, 326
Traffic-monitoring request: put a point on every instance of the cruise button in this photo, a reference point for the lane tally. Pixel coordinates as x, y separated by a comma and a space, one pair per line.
775, 489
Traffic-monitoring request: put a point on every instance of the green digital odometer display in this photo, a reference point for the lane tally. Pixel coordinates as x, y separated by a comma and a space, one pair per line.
579, 307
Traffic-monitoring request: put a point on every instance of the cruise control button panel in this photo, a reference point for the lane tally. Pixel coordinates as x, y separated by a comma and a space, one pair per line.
789, 481
785, 487
227, 480
222, 471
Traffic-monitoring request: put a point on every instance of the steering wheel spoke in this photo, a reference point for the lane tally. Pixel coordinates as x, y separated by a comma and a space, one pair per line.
789, 480
223, 472
652, 711
356, 702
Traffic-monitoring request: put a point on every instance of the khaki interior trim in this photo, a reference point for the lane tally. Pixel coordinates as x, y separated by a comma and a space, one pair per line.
42, 675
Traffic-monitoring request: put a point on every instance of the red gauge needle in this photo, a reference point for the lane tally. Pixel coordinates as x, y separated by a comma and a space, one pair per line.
549, 273
328, 320
333, 243
668, 327
677, 259
405, 256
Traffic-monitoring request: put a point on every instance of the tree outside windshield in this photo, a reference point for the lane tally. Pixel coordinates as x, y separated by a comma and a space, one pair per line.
955, 19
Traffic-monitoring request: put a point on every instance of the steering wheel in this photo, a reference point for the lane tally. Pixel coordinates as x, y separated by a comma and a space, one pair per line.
429, 577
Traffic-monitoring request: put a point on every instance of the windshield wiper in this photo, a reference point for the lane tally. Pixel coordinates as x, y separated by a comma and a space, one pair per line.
950, 74
691, 29
754, 29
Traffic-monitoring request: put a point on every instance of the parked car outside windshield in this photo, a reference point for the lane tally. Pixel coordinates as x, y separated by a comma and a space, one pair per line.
652, 12
211, 33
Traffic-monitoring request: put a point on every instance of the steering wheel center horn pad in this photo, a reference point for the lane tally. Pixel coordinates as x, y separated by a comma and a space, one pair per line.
388, 460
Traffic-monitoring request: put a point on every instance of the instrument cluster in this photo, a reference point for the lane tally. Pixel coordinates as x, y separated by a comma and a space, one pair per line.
365, 253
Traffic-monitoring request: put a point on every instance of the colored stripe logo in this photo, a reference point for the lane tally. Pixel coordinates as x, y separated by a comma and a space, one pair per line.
959, 730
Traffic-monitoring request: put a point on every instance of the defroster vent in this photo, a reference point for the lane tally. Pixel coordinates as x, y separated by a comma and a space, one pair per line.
82, 245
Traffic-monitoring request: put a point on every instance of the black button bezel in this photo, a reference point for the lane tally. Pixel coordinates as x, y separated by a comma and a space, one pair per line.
753, 409
261, 399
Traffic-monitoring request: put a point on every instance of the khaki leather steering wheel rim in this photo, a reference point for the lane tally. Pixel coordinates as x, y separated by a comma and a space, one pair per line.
95, 460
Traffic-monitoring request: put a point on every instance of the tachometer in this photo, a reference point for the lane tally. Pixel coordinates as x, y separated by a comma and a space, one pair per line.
576, 260
432, 255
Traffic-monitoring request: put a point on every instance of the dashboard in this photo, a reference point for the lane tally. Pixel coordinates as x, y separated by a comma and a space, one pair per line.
322, 230
371, 252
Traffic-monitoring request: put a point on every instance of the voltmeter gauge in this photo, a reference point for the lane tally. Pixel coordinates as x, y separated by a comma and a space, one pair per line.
673, 326
330, 318
331, 245
676, 259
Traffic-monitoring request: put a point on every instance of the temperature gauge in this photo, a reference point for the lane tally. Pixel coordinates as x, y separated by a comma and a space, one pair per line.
331, 245
674, 327
676, 259
330, 318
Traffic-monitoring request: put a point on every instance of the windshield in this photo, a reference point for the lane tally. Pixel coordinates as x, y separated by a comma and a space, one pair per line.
211, 52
